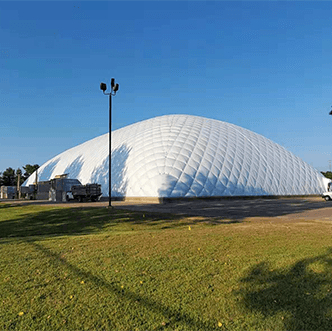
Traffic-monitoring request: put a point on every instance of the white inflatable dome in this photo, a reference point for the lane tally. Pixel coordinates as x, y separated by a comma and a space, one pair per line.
186, 156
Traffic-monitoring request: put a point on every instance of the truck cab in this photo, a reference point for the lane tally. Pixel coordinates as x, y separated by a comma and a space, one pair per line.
327, 196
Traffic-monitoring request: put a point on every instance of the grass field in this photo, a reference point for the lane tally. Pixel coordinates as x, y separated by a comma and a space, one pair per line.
96, 269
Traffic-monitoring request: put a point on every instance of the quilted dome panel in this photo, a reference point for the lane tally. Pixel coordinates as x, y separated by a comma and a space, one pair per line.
186, 156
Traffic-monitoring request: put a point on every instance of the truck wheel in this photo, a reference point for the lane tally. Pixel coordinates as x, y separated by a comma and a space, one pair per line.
327, 198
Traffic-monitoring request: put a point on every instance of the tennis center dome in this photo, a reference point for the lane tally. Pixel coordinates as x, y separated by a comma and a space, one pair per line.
186, 156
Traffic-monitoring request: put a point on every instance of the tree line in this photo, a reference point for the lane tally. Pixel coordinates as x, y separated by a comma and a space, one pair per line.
10, 176
327, 174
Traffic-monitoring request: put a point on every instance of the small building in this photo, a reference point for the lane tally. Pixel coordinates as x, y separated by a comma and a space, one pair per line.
8, 192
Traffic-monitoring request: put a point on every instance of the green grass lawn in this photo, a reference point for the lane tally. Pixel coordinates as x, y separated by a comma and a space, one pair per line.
96, 269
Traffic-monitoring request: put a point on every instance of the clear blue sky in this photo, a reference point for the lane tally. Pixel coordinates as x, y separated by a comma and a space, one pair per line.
265, 66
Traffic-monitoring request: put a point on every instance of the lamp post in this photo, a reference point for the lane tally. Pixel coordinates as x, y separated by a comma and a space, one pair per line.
114, 89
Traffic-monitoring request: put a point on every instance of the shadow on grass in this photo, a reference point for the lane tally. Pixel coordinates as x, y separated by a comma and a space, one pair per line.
173, 316
303, 293
3, 206
84, 220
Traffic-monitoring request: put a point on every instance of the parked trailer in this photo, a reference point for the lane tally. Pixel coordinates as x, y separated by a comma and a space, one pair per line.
90, 192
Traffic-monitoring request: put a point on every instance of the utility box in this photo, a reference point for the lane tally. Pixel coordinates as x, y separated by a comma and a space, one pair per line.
25, 190
32, 191
43, 189
53, 190
60, 185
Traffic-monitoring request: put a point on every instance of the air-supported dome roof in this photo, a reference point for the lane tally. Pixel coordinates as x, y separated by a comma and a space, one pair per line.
186, 156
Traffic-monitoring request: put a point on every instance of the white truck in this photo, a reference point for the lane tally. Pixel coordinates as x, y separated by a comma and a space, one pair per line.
327, 196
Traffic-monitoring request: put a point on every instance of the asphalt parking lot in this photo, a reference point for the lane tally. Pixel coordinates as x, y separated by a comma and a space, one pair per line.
282, 209
309, 208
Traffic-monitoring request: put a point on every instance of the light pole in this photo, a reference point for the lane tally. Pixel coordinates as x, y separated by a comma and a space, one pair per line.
114, 89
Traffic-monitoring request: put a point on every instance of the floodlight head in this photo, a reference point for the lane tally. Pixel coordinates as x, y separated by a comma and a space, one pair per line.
330, 113
103, 87
116, 87
112, 83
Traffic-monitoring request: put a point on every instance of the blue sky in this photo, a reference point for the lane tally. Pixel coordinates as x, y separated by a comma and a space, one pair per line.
265, 66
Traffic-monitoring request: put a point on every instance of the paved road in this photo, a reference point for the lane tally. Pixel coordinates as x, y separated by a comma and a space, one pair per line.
239, 209
223, 209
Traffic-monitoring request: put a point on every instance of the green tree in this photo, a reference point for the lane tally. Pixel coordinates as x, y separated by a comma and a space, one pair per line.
29, 170
8, 177
327, 174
